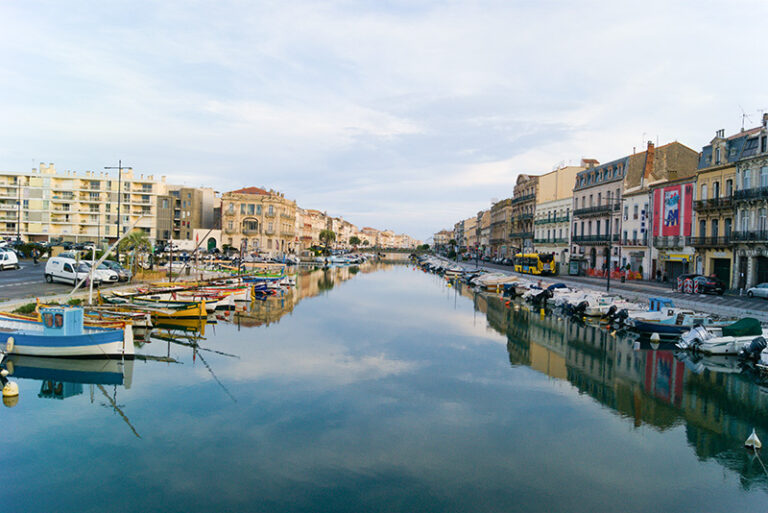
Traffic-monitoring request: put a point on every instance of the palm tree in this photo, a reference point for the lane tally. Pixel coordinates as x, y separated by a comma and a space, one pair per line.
327, 236
135, 242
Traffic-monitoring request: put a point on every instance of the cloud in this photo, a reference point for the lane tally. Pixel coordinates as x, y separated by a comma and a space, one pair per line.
366, 107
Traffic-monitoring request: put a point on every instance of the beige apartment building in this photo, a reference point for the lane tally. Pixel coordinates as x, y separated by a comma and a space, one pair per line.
523, 208
77, 207
501, 224
484, 231
552, 218
443, 237
259, 221
471, 239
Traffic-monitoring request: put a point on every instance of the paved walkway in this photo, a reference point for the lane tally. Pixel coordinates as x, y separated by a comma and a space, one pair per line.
728, 305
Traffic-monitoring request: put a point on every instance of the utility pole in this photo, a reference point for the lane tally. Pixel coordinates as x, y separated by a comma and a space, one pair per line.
119, 196
18, 211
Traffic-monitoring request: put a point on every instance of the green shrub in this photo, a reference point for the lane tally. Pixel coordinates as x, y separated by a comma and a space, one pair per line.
26, 309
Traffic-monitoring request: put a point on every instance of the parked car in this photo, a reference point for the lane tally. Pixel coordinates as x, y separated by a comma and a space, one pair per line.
8, 259
123, 274
706, 284
67, 270
760, 290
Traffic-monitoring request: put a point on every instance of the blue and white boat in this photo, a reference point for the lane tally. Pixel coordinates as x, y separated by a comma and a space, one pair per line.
663, 318
61, 333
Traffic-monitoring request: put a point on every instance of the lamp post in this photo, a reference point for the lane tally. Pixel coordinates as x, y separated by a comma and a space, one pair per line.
119, 194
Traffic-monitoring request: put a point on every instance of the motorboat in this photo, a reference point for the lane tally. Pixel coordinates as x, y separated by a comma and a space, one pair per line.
724, 340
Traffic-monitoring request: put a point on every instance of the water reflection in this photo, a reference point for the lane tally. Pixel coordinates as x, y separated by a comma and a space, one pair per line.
717, 403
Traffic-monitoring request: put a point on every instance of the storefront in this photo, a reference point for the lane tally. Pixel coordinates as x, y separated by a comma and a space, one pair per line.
674, 264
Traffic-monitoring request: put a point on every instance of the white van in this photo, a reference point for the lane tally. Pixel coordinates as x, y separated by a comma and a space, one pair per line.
67, 270
8, 260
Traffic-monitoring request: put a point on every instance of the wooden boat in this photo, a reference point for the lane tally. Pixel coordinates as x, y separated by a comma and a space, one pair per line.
62, 333
159, 309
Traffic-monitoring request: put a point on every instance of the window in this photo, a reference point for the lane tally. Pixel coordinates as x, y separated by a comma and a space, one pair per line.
230, 225
717, 156
703, 191
48, 320
271, 210
635, 211
729, 187
744, 220
590, 200
727, 227
242, 209
634, 234
626, 211
746, 179
231, 208
251, 209
68, 268
761, 220
258, 209
599, 198
702, 228
764, 176
58, 320
714, 228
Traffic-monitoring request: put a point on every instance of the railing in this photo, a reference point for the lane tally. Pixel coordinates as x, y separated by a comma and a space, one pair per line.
710, 242
269, 214
521, 199
750, 236
524, 217
551, 240
250, 231
553, 220
635, 242
269, 231
596, 210
226, 230
286, 216
594, 239
287, 234
713, 203
753, 193
669, 242
521, 235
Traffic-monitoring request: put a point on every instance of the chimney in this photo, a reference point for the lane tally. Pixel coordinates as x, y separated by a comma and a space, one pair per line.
650, 153
720, 133
765, 119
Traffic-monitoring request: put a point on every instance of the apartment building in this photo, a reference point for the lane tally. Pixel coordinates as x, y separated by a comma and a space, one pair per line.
182, 210
470, 233
484, 231
259, 221
522, 212
45, 204
750, 201
599, 193
501, 224
442, 238
552, 214
672, 227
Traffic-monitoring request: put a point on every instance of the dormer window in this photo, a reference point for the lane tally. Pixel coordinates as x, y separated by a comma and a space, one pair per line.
717, 155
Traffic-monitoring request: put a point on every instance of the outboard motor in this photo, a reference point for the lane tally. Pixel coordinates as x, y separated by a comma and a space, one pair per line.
579, 309
753, 350
611, 313
541, 297
622, 316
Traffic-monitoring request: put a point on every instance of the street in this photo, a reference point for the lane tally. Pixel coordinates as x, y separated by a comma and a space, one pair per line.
727, 305
28, 282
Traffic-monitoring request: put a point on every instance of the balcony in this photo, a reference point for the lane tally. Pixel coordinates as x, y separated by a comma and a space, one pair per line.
726, 202
524, 217
635, 242
287, 234
286, 216
269, 231
522, 199
710, 242
750, 236
669, 242
269, 214
521, 235
226, 230
250, 231
596, 210
594, 239
751, 194
553, 220
551, 240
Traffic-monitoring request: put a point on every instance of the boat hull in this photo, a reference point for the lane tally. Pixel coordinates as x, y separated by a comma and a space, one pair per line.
112, 343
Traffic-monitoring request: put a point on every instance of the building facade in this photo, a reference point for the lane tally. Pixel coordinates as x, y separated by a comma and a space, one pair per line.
182, 210
523, 211
501, 224
750, 201
484, 231
553, 212
672, 227
259, 221
45, 204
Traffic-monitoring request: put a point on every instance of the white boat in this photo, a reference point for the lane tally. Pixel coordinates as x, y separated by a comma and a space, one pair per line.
725, 340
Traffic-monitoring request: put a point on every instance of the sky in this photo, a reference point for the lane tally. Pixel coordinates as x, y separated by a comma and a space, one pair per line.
407, 115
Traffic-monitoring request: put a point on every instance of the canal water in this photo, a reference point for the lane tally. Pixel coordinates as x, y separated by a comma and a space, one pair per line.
381, 388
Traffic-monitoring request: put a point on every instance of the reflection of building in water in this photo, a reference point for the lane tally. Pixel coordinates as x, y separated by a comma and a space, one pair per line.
654, 388
309, 283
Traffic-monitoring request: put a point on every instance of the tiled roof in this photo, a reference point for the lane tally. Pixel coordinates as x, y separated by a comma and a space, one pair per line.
252, 190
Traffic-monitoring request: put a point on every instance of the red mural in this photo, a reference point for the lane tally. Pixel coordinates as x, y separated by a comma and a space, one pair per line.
672, 210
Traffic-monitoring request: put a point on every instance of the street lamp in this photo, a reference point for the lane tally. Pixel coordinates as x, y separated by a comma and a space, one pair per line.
119, 194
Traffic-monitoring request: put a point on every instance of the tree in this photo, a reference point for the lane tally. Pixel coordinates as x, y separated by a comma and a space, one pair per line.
365, 242
135, 242
354, 241
327, 237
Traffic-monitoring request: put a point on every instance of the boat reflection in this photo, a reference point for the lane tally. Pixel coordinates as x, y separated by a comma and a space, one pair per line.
715, 400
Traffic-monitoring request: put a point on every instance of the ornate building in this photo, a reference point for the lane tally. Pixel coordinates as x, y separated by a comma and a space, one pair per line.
259, 220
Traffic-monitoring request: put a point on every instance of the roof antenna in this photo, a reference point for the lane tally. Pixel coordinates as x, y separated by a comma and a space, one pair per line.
744, 116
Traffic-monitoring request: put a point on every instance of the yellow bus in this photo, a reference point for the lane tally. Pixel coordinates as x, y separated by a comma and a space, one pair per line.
535, 263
